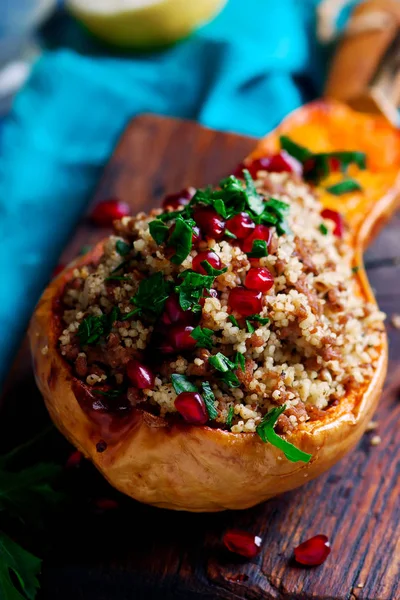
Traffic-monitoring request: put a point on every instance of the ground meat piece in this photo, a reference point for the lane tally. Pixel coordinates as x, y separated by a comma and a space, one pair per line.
329, 353
135, 396
334, 302
283, 424
314, 413
299, 411
113, 357
280, 266
81, 368
114, 339
71, 351
300, 312
246, 377
96, 370
273, 245
312, 364
200, 370
255, 341
304, 252
302, 287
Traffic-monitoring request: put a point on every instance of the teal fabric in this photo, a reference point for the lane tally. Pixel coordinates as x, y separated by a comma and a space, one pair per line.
243, 72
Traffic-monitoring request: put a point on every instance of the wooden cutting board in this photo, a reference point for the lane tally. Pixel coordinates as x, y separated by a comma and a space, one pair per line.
138, 552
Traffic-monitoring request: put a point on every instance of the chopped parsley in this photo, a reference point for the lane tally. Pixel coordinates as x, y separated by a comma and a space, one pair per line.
113, 394
209, 399
226, 368
181, 239
267, 433
259, 249
210, 270
229, 418
323, 229
355, 269
122, 248
255, 202
181, 384
203, 337
232, 319
296, 150
259, 319
344, 187
229, 234
92, 328
117, 278
158, 231
249, 326
191, 289
151, 295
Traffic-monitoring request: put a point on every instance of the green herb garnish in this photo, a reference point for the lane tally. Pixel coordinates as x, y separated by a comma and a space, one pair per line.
158, 231
203, 337
355, 269
259, 249
229, 234
323, 229
226, 369
151, 295
116, 393
209, 400
229, 417
24, 567
92, 328
122, 248
299, 152
250, 327
344, 187
259, 319
210, 270
232, 319
255, 202
182, 384
181, 239
191, 289
117, 278
267, 433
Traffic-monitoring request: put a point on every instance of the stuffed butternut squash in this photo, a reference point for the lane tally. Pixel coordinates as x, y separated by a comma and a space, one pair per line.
228, 347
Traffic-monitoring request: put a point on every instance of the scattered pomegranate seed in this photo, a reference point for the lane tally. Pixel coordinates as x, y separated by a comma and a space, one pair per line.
107, 211
179, 198
210, 257
245, 302
240, 225
74, 460
259, 278
209, 221
261, 232
337, 218
314, 551
276, 163
243, 543
58, 270
334, 164
104, 504
101, 446
174, 313
178, 339
140, 375
192, 408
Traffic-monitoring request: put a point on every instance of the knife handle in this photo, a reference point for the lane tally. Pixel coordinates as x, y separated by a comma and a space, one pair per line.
365, 71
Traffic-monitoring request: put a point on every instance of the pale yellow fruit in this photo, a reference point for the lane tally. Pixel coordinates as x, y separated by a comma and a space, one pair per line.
143, 23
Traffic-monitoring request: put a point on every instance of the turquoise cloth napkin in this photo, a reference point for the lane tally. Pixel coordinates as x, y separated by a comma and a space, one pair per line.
243, 72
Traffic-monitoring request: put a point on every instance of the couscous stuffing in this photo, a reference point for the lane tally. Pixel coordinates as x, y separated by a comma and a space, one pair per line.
230, 304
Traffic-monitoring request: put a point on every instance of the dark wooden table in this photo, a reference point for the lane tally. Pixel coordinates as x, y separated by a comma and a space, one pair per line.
138, 552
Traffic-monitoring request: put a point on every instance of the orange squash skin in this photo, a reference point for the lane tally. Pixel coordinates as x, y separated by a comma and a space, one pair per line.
193, 468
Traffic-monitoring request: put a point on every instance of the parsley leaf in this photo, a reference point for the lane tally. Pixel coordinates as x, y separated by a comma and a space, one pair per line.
300, 152
261, 320
266, 432
344, 187
259, 249
323, 229
151, 295
158, 231
191, 289
226, 368
229, 234
203, 337
210, 270
92, 328
182, 384
254, 200
249, 326
181, 239
24, 566
232, 319
209, 399
117, 278
229, 417
122, 248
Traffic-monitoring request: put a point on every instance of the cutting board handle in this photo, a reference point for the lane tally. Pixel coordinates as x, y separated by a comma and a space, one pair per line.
365, 71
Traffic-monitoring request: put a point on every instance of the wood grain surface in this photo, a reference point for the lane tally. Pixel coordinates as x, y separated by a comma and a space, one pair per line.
138, 552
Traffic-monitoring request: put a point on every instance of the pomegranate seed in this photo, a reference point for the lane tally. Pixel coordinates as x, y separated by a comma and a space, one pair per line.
140, 376
209, 221
58, 270
74, 460
337, 218
178, 339
192, 408
261, 232
314, 551
245, 302
104, 504
240, 225
276, 163
210, 257
259, 278
107, 211
174, 313
334, 164
178, 199
243, 543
